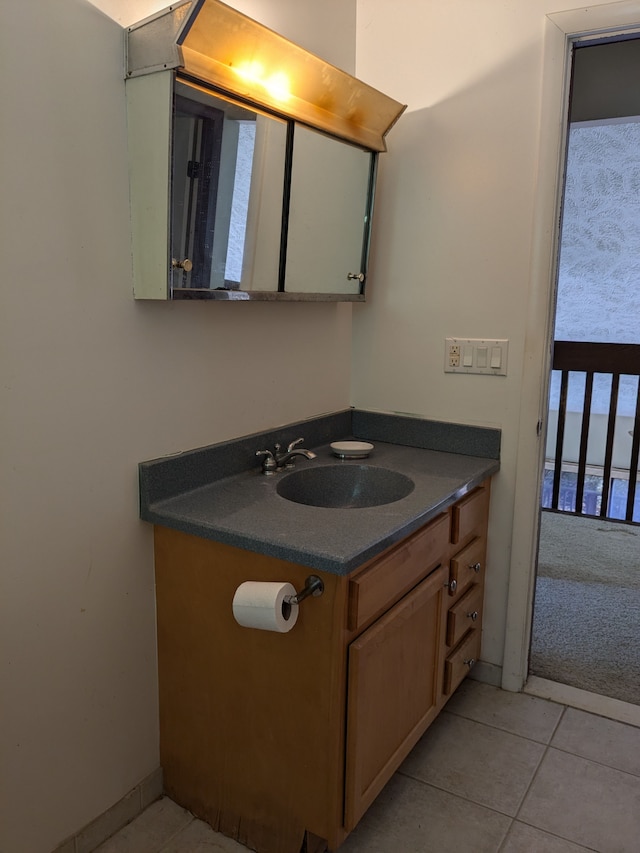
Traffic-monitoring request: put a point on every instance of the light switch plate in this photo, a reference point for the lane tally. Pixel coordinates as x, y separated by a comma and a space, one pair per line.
484, 356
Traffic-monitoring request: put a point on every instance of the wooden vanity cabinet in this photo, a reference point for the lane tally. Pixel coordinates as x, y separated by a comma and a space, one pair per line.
282, 741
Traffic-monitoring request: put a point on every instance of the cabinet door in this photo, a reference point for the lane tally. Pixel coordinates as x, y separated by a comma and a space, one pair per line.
395, 670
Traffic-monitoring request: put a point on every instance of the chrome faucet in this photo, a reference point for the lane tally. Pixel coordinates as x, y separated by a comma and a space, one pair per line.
285, 460
279, 459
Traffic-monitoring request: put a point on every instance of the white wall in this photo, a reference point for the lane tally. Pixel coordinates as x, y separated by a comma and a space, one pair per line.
453, 237
93, 382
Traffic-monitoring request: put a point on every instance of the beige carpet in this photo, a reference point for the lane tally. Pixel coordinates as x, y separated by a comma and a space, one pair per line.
586, 627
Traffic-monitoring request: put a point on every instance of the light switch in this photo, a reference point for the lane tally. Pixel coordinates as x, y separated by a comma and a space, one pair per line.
485, 356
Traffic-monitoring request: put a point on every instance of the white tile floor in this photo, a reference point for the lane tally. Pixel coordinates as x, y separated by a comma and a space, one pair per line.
497, 772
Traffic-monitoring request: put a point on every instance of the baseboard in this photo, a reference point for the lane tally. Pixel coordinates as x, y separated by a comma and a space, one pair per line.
488, 673
120, 814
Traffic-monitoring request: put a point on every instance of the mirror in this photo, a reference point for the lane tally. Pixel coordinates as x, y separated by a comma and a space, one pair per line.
227, 190
264, 207
328, 214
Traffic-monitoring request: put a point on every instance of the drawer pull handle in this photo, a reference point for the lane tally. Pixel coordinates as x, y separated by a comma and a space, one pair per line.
473, 616
470, 662
475, 567
453, 585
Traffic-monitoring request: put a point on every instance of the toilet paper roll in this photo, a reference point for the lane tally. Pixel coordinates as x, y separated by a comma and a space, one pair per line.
261, 604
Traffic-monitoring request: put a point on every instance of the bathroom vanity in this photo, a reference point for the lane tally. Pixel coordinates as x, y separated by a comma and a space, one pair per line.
283, 740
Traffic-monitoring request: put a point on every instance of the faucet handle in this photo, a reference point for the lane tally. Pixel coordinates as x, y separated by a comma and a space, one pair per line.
294, 443
269, 465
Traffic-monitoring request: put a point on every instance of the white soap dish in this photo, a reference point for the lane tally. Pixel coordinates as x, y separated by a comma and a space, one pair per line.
351, 449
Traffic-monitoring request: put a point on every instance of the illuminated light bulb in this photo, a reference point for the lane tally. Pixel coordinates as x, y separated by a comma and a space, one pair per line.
278, 86
250, 71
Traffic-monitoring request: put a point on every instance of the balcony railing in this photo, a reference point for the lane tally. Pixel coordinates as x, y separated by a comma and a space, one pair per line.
586, 479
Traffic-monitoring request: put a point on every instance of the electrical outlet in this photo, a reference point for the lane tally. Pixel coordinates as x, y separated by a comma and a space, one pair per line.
453, 355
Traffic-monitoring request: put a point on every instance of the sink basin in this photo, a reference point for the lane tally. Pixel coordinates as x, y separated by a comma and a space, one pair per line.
345, 486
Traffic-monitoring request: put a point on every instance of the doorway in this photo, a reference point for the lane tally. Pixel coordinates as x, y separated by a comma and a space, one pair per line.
587, 591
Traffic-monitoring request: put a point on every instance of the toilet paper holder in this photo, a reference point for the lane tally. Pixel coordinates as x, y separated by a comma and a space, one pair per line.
312, 586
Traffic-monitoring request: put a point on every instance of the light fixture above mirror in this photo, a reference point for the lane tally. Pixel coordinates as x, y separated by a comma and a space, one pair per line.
212, 42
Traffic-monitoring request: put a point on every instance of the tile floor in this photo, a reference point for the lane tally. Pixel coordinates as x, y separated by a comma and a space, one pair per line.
497, 772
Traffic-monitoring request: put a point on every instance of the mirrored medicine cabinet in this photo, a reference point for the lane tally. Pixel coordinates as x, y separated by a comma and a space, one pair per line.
247, 185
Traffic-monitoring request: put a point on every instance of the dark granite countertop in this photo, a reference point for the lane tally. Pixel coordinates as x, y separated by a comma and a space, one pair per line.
244, 509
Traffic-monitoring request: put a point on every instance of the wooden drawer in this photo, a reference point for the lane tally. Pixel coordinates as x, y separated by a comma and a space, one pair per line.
464, 614
461, 660
468, 516
467, 567
388, 579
